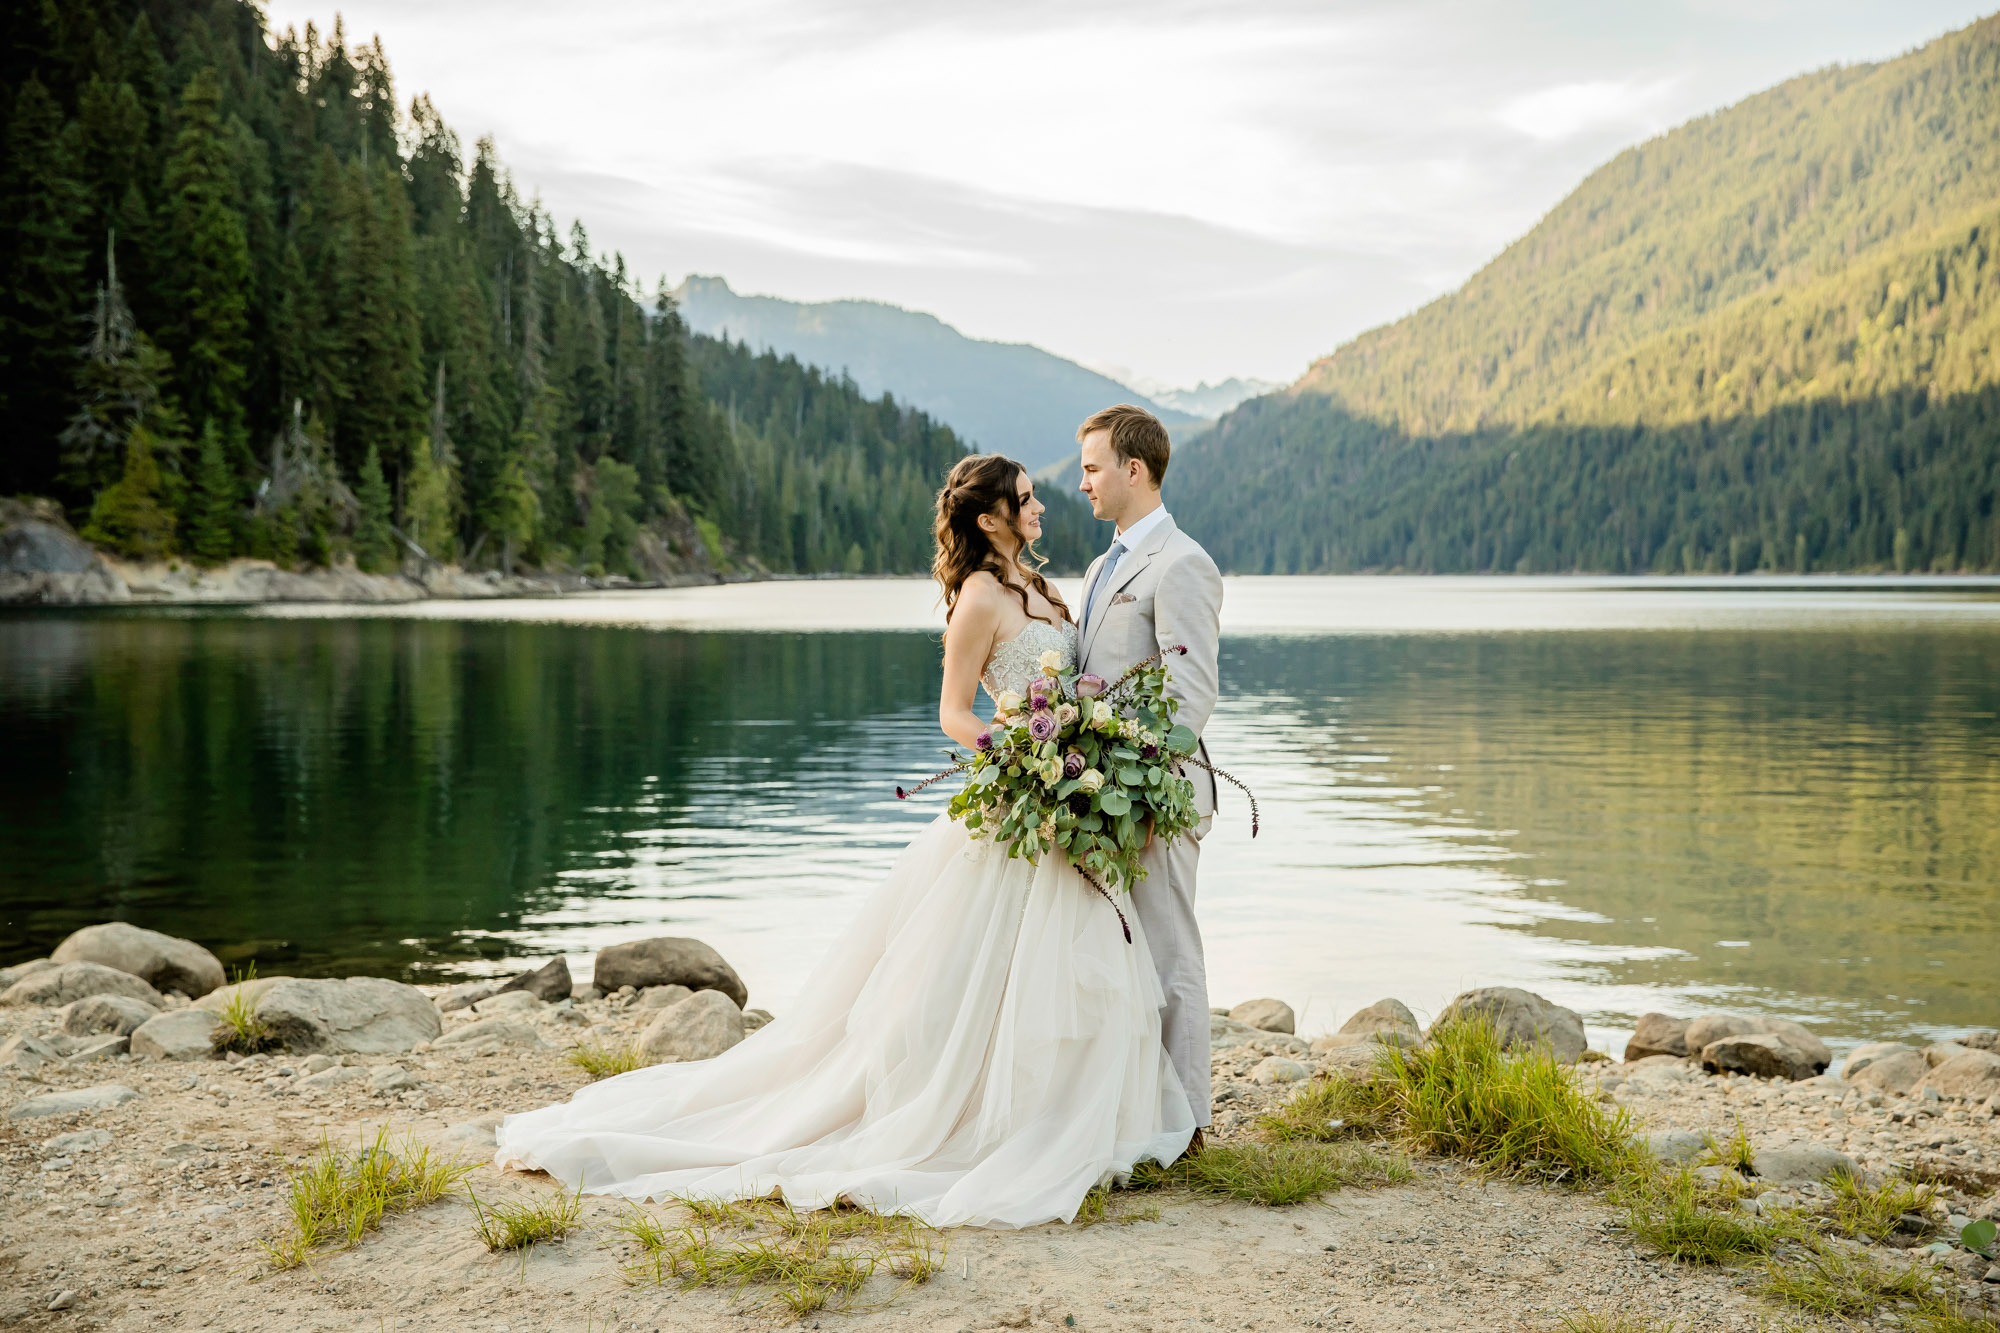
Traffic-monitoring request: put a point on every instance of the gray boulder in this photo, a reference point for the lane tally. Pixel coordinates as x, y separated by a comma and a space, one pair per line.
1895, 1071
99, 1048
1657, 1034
66, 983
1711, 1028
701, 1027
358, 1015
490, 1032
43, 561
179, 1034
1224, 1033
1800, 1163
115, 1014
1974, 1076
1802, 1039
1675, 1146
509, 1002
100, 1098
1277, 1069
667, 961
1761, 1054
753, 1019
1868, 1053
1938, 1052
252, 991
467, 994
1981, 1041
1266, 1015
1390, 1016
24, 1052
1520, 1019
10, 975
162, 961
549, 982
474, 1133
662, 997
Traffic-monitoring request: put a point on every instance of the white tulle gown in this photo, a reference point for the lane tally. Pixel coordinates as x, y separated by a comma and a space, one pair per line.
980, 1047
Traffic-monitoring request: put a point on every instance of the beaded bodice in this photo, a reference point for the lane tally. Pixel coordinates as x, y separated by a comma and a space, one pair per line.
1019, 660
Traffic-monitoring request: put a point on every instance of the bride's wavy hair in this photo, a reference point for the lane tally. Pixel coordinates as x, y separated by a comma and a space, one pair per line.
984, 484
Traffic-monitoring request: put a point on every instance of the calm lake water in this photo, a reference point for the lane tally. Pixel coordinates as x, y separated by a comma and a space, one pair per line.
1624, 794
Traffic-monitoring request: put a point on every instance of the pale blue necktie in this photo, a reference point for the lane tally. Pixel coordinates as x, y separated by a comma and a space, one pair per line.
1104, 572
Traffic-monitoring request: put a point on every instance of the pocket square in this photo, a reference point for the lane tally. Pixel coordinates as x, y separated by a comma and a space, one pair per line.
1123, 598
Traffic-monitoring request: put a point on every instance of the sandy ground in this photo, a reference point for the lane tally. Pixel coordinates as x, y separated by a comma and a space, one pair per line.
157, 1227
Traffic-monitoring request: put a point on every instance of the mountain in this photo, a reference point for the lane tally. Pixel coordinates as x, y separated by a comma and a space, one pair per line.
1204, 399
1767, 339
1010, 398
250, 304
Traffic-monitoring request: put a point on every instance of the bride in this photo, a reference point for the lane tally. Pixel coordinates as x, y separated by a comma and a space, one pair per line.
980, 1047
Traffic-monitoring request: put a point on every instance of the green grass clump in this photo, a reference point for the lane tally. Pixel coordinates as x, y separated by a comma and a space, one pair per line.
1733, 1154
515, 1226
242, 1031
1328, 1109
1835, 1283
1277, 1174
605, 1061
1114, 1205
806, 1261
1682, 1218
337, 1197
1872, 1212
1460, 1095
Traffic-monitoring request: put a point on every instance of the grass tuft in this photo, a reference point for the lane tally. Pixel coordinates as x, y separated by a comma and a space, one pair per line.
806, 1262
1328, 1109
1114, 1205
1873, 1212
1278, 1174
606, 1061
242, 1031
1683, 1218
515, 1226
337, 1197
1460, 1095
1733, 1154
1825, 1280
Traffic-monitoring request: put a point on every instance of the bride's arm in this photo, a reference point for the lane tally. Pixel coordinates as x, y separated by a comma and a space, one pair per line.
968, 642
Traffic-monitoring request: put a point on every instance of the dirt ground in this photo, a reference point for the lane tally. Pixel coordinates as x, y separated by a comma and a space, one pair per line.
155, 1221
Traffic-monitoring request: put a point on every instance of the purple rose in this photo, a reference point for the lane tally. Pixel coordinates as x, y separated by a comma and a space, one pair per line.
1042, 726
983, 741
1073, 764
1089, 685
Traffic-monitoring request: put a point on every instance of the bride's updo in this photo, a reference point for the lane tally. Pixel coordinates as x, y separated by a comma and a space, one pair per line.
985, 484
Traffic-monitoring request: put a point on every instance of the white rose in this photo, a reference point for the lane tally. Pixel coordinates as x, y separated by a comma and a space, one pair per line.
1091, 781
1101, 716
1008, 702
1065, 715
1052, 663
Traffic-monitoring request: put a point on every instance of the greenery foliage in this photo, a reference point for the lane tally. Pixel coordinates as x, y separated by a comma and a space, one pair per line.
337, 1197
1764, 340
516, 1226
300, 272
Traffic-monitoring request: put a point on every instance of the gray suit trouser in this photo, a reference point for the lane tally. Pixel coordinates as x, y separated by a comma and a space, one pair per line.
1164, 904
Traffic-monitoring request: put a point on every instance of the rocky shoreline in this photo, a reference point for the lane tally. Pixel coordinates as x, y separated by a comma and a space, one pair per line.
143, 1161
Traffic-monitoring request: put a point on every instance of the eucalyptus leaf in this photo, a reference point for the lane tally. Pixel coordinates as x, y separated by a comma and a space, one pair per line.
1181, 740
1113, 802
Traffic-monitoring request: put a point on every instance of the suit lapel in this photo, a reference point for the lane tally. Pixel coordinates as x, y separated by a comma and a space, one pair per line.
1128, 569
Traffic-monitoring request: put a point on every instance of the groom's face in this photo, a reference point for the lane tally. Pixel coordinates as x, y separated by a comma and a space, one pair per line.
1108, 479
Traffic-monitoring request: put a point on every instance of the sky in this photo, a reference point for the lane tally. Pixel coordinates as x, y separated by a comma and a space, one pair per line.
1171, 191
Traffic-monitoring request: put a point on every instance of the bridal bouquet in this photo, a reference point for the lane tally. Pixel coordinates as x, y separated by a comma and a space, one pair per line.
1083, 766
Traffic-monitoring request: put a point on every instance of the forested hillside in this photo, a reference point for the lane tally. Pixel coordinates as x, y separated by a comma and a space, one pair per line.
1768, 339
249, 304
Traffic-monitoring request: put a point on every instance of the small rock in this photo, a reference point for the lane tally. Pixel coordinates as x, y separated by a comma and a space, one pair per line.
753, 1019
390, 1078
163, 961
313, 1064
700, 1027
1389, 1021
100, 1098
1705, 1028
1938, 1052
1800, 1163
662, 997
66, 983
668, 961
24, 1053
467, 994
116, 1014
1356, 1061
1277, 1069
10, 975
1225, 1032
331, 1077
1672, 1065
1810, 1051
1891, 1071
63, 1300
1267, 1015
180, 1034
100, 1048
1978, 1041
1973, 1076
549, 982
1657, 1034
583, 993
490, 1032
478, 1132
1521, 1019
1675, 1146
359, 1015
1868, 1053
79, 1140
508, 1002
1762, 1054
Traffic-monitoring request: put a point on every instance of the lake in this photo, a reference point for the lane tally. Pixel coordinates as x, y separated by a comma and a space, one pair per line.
1781, 795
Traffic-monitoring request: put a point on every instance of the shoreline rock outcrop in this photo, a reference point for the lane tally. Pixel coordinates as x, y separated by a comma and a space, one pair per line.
667, 961
162, 961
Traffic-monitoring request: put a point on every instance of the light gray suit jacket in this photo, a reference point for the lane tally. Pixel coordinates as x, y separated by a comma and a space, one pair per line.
1166, 592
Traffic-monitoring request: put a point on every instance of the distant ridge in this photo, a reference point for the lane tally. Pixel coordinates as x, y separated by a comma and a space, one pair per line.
1011, 398
1768, 339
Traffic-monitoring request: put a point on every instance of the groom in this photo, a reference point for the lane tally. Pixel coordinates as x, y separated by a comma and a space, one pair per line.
1153, 589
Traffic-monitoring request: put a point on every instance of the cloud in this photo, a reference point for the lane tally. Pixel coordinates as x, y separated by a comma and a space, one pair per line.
1568, 109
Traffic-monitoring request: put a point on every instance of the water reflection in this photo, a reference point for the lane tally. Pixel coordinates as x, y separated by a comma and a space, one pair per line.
1799, 819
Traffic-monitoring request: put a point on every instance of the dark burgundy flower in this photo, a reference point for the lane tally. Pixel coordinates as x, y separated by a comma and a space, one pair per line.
1073, 764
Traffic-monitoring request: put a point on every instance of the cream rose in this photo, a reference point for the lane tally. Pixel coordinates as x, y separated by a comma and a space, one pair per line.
1092, 781
1065, 714
1008, 702
1052, 663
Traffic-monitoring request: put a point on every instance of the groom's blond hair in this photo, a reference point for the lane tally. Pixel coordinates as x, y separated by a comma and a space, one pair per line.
1135, 433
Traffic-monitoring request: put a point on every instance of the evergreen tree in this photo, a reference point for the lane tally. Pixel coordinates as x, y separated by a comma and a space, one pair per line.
41, 287
374, 543
129, 516
209, 265
212, 517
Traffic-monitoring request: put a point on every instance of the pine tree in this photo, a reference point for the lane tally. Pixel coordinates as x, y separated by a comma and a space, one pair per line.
210, 263
129, 516
374, 543
118, 386
211, 534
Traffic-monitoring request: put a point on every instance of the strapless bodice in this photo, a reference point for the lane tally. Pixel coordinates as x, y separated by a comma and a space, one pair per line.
1019, 660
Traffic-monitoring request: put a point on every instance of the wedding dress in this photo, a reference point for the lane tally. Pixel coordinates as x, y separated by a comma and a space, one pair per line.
980, 1047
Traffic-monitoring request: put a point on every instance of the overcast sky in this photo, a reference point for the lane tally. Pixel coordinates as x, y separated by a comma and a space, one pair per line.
1183, 191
